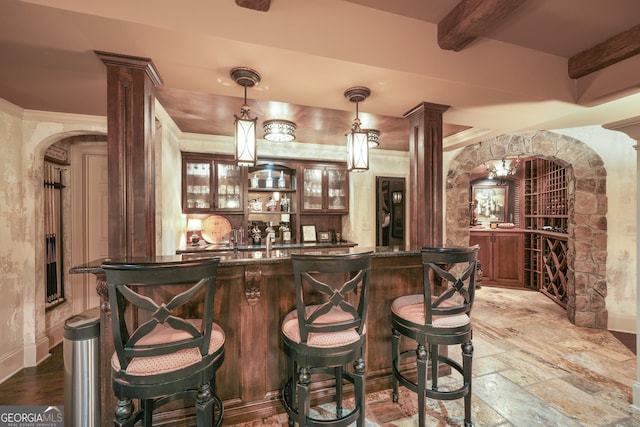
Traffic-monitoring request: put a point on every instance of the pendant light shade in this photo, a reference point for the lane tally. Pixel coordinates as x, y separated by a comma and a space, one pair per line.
357, 138
245, 126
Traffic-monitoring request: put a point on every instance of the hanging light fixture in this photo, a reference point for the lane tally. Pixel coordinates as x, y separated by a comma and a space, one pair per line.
357, 139
277, 130
373, 138
501, 170
245, 126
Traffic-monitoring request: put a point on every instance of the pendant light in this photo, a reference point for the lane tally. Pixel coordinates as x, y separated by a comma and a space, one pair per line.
357, 138
245, 126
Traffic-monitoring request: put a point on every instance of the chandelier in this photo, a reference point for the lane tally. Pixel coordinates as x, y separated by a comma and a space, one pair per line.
245, 126
277, 130
502, 169
357, 138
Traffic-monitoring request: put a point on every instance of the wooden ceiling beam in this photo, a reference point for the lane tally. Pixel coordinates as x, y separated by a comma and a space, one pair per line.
609, 52
259, 5
471, 19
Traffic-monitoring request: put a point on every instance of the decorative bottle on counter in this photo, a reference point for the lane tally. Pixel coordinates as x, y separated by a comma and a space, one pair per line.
285, 232
268, 183
281, 181
254, 181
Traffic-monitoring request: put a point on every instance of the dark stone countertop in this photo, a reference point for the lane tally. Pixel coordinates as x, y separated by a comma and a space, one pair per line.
250, 255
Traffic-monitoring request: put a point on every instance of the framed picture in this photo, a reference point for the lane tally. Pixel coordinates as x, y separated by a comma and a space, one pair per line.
308, 233
490, 202
324, 236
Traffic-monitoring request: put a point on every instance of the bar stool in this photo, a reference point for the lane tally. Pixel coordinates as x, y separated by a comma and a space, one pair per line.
161, 353
325, 332
437, 320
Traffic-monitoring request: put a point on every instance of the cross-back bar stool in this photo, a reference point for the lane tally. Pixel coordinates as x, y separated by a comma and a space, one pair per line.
436, 320
325, 332
161, 353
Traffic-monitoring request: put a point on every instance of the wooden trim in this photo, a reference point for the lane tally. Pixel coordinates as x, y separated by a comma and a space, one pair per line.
259, 5
609, 52
471, 19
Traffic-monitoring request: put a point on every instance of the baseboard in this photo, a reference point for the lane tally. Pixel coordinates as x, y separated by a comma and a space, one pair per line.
11, 364
626, 324
55, 335
36, 353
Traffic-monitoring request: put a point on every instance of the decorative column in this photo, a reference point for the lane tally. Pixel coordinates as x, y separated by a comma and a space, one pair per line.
426, 190
632, 128
131, 126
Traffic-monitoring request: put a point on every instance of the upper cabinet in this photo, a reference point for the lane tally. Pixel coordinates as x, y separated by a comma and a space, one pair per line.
211, 184
325, 188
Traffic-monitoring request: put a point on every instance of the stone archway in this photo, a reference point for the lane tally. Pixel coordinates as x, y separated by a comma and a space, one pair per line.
587, 253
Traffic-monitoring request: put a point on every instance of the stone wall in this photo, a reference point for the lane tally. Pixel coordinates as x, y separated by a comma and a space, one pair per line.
587, 202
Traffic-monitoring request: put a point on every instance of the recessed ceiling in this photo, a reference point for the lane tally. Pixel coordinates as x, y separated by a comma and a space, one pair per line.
308, 53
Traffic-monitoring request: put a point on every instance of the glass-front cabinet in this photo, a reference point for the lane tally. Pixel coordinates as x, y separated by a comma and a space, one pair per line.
325, 188
211, 184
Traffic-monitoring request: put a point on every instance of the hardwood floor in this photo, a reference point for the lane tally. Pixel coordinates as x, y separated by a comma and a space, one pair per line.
40, 385
44, 384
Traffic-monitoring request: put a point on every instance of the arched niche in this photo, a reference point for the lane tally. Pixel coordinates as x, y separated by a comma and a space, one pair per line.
587, 201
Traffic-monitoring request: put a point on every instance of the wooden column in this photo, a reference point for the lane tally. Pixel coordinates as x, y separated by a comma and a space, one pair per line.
426, 191
131, 125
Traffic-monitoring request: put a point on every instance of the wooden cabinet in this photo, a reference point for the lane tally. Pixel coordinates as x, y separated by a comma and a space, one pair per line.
325, 188
501, 255
274, 191
211, 184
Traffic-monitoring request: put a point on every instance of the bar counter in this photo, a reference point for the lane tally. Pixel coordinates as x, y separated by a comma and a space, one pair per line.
254, 291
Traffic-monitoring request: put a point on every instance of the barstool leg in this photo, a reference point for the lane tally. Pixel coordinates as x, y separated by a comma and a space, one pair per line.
123, 415
422, 360
338, 376
434, 365
395, 362
467, 359
359, 369
204, 406
304, 398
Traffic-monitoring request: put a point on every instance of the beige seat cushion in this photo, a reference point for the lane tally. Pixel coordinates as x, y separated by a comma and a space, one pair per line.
163, 333
323, 340
411, 308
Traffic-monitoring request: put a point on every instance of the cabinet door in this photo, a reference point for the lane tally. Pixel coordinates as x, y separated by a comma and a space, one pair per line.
229, 184
197, 185
337, 190
325, 189
485, 253
508, 259
313, 189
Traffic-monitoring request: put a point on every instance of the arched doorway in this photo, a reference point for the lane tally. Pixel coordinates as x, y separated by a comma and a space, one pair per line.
587, 285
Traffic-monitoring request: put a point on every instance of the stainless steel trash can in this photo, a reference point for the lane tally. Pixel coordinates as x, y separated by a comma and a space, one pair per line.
81, 352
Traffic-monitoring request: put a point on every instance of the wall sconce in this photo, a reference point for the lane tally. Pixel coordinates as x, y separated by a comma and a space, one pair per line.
279, 130
357, 139
245, 126
373, 138
194, 225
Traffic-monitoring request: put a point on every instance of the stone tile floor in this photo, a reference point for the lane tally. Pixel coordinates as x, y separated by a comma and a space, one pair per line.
531, 367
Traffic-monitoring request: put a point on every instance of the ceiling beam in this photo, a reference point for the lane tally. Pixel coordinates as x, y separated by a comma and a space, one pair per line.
471, 19
609, 52
260, 5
